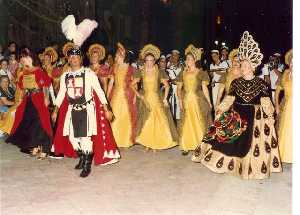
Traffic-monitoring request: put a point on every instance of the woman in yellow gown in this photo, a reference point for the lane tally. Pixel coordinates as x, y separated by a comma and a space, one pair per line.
121, 100
285, 133
194, 101
155, 129
233, 73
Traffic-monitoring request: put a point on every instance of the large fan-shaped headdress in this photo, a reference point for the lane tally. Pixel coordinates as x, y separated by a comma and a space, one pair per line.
249, 50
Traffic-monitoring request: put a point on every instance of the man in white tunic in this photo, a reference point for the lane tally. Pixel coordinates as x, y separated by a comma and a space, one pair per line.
79, 86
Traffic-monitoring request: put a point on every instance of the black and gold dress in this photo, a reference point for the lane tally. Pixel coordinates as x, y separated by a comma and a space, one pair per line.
242, 140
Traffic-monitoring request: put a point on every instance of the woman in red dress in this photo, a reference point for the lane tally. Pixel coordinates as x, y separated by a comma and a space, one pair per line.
32, 128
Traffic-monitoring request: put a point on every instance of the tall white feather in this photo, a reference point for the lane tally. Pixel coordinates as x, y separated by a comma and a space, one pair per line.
77, 33
69, 27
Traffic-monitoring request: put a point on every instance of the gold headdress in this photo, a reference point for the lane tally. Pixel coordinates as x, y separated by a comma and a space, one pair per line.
150, 49
288, 57
248, 50
234, 53
97, 48
67, 47
197, 53
51, 52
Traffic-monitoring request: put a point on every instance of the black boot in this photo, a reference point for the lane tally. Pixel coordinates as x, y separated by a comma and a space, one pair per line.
88, 159
81, 160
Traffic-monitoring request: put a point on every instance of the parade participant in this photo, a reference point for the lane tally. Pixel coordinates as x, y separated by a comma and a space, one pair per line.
122, 99
233, 73
194, 101
242, 140
285, 133
48, 59
155, 128
32, 128
96, 53
217, 70
83, 127
173, 70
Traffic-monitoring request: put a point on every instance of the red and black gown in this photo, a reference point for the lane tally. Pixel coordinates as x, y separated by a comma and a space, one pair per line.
32, 126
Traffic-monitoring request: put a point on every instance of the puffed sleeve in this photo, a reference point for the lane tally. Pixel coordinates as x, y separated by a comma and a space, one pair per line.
203, 76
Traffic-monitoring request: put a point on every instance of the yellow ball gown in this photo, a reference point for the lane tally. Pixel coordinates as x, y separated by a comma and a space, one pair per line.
155, 129
123, 125
196, 114
285, 133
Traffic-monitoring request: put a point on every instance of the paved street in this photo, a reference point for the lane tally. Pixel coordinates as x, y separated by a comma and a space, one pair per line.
141, 183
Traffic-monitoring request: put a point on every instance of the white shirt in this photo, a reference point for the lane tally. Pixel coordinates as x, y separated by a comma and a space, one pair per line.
91, 84
173, 71
272, 73
222, 65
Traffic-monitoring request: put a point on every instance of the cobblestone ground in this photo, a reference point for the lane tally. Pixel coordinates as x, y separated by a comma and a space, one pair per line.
141, 183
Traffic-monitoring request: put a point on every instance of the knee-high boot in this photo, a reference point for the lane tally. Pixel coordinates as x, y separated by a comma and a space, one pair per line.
88, 159
81, 160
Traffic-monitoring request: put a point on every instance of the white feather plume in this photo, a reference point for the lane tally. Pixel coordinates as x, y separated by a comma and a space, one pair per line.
77, 33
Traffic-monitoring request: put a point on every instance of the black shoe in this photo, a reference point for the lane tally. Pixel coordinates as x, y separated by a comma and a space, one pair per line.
88, 158
184, 153
81, 160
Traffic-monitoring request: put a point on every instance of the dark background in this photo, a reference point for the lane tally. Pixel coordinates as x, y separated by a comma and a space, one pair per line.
170, 24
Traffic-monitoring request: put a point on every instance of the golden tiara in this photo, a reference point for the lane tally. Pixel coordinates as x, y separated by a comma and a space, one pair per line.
196, 52
150, 49
98, 49
51, 52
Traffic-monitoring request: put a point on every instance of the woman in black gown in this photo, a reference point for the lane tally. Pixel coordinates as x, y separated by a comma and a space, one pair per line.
242, 140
